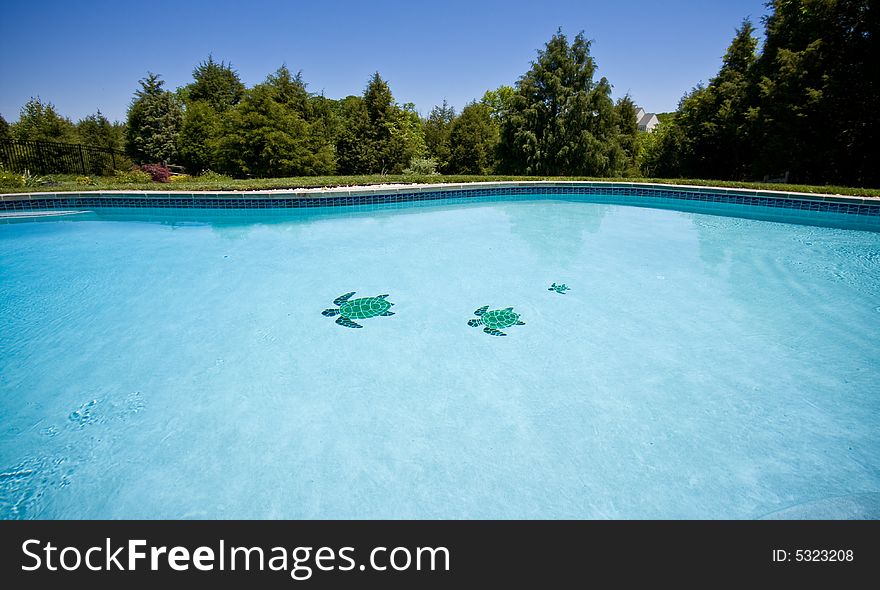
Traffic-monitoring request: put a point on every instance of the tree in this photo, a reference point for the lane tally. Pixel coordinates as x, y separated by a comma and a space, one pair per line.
4, 129
273, 132
382, 114
661, 151
98, 131
217, 84
716, 120
409, 136
379, 136
199, 136
819, 91
436, 129
499, 101
473, 141
40, 121
154, 119
805, 108
560, 121
355, 154
628, 134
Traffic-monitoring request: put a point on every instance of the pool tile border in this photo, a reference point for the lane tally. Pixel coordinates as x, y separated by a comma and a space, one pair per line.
353, 196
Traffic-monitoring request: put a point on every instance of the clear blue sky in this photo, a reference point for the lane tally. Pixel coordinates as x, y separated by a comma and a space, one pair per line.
84, 56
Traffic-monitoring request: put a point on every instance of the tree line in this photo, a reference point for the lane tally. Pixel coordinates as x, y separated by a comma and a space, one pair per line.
806, 107
803, 108
40, 121
557, 120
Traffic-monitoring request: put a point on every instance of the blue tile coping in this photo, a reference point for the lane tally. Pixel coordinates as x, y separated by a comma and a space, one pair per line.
373, 195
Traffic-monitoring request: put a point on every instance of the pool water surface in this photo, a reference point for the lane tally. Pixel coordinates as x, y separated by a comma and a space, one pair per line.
177, 364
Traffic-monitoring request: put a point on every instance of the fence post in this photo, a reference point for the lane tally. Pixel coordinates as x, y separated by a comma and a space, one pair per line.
42, 158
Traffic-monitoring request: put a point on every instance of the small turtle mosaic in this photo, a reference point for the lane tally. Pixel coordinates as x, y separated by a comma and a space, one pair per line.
358, 309
494, 321
561, 289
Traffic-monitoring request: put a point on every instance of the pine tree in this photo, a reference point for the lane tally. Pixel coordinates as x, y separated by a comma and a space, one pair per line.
154, 119
820, 91
353, 148
217, 84
715, 118
273, 132
198, 138
97, 130
382, 114
561, 121
473, 140
379, 136
40, 121
805, 108
437, 128
628, 133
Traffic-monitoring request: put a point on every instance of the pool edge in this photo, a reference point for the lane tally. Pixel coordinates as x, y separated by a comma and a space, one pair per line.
864, 207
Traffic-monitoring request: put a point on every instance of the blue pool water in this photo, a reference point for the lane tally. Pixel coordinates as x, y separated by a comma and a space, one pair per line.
176, 364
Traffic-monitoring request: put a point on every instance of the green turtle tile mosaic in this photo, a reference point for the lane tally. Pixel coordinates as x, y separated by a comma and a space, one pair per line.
495, 320
358, 309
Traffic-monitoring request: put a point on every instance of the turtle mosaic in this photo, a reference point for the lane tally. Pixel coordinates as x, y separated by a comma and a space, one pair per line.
561, 289
358, 309
494, 321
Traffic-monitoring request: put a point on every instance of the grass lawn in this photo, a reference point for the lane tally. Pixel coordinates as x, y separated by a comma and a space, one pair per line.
64, 183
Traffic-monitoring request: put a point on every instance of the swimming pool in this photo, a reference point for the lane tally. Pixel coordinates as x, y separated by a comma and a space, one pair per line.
176, 363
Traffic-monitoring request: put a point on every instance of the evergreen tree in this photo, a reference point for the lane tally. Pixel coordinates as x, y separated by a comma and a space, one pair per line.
199, 136
561, 121
97, 130
4, 129
382, 114
379, 136
805, 108
154, 119
437, 128
628, 134
661, 151
715, 120
215, 89
819, 87
40, 121
354, 151
473, 141
273, 132
217, 84
409, 136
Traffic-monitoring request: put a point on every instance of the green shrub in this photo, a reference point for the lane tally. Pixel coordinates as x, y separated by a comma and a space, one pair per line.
10, 179
85, 180
211, 176
123, 163
131, 177
421, 167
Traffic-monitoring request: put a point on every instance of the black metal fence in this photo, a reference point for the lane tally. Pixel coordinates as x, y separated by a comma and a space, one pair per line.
47, 157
